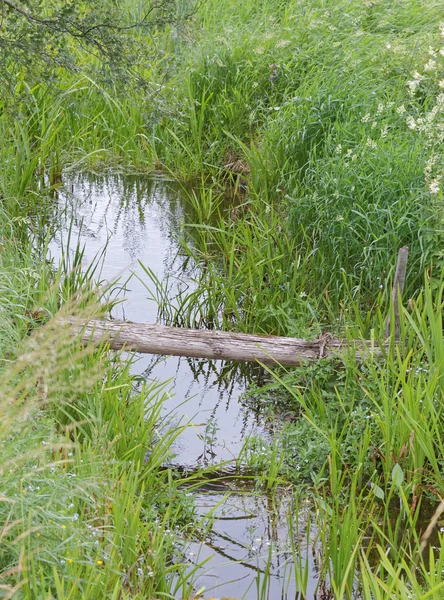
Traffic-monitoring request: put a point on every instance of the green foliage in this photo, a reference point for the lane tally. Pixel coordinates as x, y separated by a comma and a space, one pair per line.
44, 37
330, 115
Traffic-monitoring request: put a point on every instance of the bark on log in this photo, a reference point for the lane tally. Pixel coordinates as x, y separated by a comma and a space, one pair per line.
216, 345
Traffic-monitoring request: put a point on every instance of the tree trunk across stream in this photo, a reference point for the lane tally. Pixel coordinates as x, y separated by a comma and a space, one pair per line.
218, 345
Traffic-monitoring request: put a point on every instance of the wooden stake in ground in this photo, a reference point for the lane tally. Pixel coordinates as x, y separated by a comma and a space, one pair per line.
398, 288
216, 345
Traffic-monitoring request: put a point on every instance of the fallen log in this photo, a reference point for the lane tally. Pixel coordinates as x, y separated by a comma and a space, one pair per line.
216, 345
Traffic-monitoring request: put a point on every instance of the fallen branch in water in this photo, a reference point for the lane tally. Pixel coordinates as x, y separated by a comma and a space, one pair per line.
216, 345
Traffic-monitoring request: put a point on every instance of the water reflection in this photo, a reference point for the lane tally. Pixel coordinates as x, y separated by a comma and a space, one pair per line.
248, 554
140, 219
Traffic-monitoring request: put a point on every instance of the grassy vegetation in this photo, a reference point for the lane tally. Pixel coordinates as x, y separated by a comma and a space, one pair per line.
331, 115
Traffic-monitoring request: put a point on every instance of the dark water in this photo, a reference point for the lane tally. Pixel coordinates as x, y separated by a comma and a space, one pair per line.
139, 220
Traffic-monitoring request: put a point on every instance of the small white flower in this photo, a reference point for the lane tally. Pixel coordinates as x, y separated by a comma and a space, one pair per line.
441, 83
339, 148
430, 66
411, 123
401, 109
417, 76
365, 118
412, 85
434, 186
371, 143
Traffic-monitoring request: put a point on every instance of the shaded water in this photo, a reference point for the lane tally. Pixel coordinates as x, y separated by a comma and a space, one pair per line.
139, 220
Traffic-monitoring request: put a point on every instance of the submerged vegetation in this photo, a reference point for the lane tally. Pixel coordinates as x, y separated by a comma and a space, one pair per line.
315, 131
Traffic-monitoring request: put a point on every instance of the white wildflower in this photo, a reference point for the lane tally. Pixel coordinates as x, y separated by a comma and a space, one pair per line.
434, 186
384, 131
430, 65
388, 46
432, 52
411, 122
339, 148
380, 109
429, 166
412, 85
371, 143
441, 83
365, 118
417, 76
401, 109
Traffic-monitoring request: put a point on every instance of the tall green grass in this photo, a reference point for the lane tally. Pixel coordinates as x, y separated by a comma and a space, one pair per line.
375, 430
87, 507
341, 154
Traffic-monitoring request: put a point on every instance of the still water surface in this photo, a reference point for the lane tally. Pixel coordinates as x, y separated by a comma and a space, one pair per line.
139, 220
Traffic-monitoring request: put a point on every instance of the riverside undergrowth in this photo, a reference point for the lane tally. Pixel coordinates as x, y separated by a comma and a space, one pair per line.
328, 116
87, 508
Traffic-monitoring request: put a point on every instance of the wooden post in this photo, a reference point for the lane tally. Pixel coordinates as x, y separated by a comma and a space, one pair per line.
397, 289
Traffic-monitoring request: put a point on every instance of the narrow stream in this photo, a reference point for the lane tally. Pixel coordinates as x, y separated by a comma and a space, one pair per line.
139, 219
